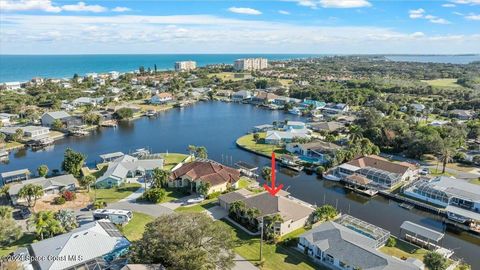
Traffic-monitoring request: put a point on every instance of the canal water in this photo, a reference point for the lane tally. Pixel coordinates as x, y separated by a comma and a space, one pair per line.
216, 126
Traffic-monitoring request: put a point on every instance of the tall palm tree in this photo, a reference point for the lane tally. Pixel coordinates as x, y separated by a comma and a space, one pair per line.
46, 225
160, 178
355, 132
446, 155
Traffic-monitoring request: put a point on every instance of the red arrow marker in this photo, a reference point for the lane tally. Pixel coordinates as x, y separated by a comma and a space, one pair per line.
273, 189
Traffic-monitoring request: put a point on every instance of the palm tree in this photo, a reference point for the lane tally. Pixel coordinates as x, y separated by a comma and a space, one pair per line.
269, 223
267, 174
355, 132
160, 178
446, 155
31, 193
6, 212
252, 214
46, 225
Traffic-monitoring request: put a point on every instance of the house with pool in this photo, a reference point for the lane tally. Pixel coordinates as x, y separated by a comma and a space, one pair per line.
317, 152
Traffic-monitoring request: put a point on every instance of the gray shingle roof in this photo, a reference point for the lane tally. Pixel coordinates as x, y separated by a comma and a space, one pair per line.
46, 183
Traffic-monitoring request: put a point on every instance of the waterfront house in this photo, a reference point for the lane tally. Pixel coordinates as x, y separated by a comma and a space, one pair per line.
377, 171
263, 98
241, 95
7, 118
52, 185
460, 198
461, 114
349, 246
281, 100
161, 98
332, 108
319, 149
49, 117
94, 245
193, 174
14, 176
294, 212
263, 128
278, 136
32, 132
313, 104
331, 126
125, 167
297, 125
84, 101
225, 93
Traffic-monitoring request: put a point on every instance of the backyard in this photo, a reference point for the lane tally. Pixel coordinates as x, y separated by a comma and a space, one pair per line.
172, 159
259, 146
403, 249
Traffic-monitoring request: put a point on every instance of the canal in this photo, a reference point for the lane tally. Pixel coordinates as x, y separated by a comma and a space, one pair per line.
217, 125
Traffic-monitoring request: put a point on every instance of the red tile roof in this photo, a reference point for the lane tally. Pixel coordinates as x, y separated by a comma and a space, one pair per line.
207, 171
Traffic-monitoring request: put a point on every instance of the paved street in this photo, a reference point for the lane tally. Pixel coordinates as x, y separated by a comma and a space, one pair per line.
242, 264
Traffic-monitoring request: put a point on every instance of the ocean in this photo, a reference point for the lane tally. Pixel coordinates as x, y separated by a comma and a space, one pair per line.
24, 67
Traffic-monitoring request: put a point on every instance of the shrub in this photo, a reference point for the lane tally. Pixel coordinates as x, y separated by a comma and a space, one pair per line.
69, 195
320, 170
391, 242
213, 195
99, 204
59, 200
154, 195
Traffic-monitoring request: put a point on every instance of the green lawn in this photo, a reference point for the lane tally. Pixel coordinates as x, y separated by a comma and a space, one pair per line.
404, 250
275, 256
440, 83
135, 228
111, 195
244, 182
198, 207
13, 145
173, 194
172, 159
437, 172
25, 240
226, 76
475, 181
248, 142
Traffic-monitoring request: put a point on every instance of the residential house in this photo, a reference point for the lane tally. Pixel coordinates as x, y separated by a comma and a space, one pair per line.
49, 117
14, 176
460, 198
375, 170
461, 114
331, 126
127, 167
262, 98
295, 125
241, 95
196, 173
94, 245
83, 101
52, 185
161, 98
318, 149
225, 93
7, 118
315, 105
337, 246
12, 85
294, 212
263, 128
31, 132
114, 75
339, 108
278, 137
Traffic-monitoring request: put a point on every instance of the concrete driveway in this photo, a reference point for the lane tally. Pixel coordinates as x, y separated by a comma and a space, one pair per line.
178, 202
216, 212
242, 264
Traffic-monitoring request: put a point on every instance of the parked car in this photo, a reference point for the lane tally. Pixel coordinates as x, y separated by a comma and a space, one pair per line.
424, 171
195, 200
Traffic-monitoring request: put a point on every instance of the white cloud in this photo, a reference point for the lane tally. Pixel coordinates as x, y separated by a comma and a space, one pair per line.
24, 5
243, 10
467, 2
121, 9
284, 12
81, 6
314, 4
449, 5
421, 14
416, 13
52, 34
473, 17
458, 13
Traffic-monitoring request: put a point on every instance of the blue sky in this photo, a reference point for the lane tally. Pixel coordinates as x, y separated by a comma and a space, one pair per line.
289, 26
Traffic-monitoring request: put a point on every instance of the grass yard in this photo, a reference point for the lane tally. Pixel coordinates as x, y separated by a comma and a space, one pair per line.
437, 172
197, 208
172, 159
404, 250
25, 240
245, 182
13, 145
275, 256
441, 83
111, 195
475, 181
260, 147
173, 194
135, 228
226, 76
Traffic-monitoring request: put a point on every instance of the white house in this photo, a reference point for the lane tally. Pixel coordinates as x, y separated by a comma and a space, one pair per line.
12, 85
241, 95
161, 98
32, 132
49, 117
82, 101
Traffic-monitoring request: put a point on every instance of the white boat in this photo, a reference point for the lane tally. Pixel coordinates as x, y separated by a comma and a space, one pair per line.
295, 111
291, 163
151, 113
331, 177
196, 200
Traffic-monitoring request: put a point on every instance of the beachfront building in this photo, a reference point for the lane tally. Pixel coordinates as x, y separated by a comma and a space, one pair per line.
351, 243
126, 166
196, 173
249, 64
31, 132
14, 176
161, 98
294, 212
94, 245
241, 96
460, 198
52, 185
185, 65
373, 171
